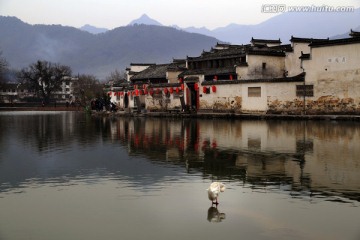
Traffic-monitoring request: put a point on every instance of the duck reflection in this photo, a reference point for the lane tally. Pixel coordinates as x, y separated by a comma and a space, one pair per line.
214, 215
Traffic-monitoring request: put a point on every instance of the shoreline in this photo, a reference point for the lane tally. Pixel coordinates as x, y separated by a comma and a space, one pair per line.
40, 108
201, 115
210, 115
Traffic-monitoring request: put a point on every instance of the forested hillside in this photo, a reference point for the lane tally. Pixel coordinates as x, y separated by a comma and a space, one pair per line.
100, 54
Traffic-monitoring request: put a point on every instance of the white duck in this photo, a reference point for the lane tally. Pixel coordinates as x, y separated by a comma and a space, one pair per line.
214, 191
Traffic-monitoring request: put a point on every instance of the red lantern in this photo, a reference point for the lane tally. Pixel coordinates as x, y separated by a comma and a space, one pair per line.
182, 86
165, 90
231, 77
151, 92
196, 86
177, 90
213, 88
158, 91
180, 80
137, 92
171, 90
204, 89
145, 91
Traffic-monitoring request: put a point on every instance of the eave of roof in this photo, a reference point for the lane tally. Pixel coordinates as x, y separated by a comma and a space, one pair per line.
209, 71
275, 53
142, 64
333, 42
152, 72
307, 40
297, 78
354, 33
266, 40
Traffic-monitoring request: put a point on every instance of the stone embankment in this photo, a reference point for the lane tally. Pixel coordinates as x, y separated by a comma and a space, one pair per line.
207, 115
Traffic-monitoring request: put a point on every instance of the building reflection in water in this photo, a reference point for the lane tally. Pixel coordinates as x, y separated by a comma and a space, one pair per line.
305, 158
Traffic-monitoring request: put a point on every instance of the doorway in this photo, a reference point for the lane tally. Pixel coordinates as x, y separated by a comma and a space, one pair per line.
192, 96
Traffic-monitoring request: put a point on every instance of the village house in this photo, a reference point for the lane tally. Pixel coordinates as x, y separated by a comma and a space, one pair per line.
156, 86
333, 74
19, 93
237, 78
307, 76
12, 92
121, 92
67, 93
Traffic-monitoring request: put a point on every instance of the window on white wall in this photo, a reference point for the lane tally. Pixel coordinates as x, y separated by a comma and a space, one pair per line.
254, 91
305, 90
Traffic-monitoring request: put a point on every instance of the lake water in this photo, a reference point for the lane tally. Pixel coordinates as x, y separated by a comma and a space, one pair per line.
66, 175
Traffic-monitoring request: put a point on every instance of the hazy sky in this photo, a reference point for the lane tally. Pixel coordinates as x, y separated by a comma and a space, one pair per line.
116, 13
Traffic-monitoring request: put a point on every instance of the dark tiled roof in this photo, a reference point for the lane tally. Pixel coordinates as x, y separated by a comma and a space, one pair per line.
342, 41
220, 53
177, 66
265, 40
266, 52
235, 51
209, 71
157, 85
142, 64
191, 79
285, 47
227, 45
154, 71
304, 56
354, 33
307, 40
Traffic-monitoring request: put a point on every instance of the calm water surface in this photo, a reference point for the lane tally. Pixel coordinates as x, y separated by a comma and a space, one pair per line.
71, 176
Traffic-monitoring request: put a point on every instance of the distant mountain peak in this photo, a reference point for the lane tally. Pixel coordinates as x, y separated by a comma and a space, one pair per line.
93, 29
145, 19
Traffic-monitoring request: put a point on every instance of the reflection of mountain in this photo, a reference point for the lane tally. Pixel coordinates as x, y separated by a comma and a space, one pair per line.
305, 158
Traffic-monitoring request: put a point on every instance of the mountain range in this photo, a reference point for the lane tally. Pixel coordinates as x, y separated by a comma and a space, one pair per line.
22, 44
283, 26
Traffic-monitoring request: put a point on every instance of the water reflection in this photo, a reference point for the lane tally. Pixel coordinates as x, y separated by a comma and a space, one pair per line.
214, 215
68, 174
306, 159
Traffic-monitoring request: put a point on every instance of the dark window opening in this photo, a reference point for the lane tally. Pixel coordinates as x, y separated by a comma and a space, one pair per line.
305, 90
263, 65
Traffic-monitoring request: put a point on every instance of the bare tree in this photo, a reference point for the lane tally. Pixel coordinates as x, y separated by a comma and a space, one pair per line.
44, 78
116, 77
3, 68
87, 88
